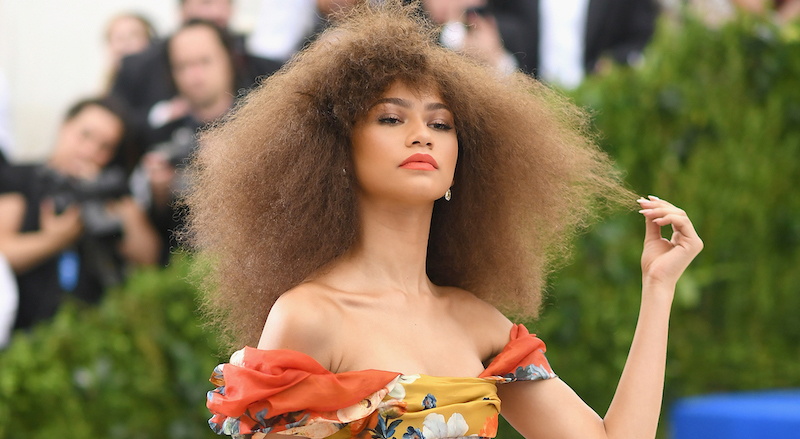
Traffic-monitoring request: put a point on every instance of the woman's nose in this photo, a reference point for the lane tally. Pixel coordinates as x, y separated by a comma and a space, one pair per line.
419, 134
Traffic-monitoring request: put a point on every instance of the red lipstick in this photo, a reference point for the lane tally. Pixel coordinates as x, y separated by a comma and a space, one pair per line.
420, 162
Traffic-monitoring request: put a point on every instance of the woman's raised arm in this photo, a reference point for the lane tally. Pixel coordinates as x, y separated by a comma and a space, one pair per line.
550, 409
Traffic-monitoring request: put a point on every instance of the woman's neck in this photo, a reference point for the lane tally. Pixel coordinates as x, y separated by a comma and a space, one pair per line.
392, 248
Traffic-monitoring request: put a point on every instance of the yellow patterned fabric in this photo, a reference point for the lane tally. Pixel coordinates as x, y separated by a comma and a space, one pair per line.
422, 406
287, 392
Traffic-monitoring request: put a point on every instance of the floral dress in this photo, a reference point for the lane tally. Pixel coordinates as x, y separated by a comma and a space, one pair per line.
287, 392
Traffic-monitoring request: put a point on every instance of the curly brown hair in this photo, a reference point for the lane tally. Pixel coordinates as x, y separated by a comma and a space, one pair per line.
270, 204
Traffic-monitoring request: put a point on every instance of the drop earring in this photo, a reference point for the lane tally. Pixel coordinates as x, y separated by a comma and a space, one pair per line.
448, 195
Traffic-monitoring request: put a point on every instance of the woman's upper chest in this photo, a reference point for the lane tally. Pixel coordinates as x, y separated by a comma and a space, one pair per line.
410, 335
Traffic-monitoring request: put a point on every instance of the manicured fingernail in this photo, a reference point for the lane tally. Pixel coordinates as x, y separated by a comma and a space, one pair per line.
653, 197
645, 211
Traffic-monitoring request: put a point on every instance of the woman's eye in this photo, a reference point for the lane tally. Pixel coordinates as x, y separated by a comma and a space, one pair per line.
441, 126
389, 120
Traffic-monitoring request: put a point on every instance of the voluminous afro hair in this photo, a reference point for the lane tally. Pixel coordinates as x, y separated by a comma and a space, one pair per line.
270, 205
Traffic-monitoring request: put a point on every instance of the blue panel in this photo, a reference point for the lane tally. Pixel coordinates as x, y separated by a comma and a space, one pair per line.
771, 414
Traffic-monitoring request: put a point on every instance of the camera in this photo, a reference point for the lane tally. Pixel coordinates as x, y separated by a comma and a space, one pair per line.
179, 147
92, 197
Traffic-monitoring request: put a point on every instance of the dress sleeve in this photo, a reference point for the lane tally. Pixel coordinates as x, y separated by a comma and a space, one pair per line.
522, 359
285, 391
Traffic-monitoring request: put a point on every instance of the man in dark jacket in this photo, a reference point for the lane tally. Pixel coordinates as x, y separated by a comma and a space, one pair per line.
144, 79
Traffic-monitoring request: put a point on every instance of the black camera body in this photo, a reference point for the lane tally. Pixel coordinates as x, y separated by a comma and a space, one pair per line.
92, 197
179, 147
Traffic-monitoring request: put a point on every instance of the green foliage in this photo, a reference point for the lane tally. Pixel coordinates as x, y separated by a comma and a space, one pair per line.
135, 367
711, 122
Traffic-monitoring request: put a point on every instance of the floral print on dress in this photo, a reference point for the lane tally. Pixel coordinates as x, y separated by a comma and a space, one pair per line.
385, 428
435, 427
399, 390
532, 372
287, 392
429, 402
413, 433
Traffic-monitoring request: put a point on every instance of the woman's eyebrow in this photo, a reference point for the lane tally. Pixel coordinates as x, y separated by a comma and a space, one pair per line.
436, 106
397, 101
407, 104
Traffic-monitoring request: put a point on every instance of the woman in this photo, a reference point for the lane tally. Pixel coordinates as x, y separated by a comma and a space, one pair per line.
383, 197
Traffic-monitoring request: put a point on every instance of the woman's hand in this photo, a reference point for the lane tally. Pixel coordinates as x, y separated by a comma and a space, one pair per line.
664, 260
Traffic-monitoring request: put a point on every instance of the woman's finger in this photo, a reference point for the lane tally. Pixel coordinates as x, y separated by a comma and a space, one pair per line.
662, 211
652, 230
682, 225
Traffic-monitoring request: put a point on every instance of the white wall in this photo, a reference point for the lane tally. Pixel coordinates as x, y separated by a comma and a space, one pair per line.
52, 54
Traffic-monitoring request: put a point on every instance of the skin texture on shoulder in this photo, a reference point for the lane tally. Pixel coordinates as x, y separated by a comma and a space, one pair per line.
481, 321
302, 320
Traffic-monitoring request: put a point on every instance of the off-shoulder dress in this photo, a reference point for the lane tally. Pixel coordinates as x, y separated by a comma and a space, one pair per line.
287, 392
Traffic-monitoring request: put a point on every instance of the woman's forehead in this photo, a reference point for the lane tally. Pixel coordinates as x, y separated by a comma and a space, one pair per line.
421, 91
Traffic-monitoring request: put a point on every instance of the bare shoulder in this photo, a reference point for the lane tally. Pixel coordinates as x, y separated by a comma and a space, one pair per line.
486, 324
300, 320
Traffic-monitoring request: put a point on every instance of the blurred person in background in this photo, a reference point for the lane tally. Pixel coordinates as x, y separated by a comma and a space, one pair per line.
282, 27
144, 79
559, 41
582, 37
483, 31
126, 34
783, 10
203, 71
9, 299
70, 226
6, 139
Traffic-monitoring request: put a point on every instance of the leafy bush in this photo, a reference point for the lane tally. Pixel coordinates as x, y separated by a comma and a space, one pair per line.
135, 367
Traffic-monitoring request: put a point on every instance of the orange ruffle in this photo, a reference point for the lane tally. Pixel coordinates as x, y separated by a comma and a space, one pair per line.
523, 349
279, 382
272, 390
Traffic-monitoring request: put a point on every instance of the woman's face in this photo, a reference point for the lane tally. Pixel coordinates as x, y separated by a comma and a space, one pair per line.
405, 147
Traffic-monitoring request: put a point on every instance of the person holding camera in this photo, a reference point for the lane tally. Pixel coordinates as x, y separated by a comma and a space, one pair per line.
203, 68
70, 226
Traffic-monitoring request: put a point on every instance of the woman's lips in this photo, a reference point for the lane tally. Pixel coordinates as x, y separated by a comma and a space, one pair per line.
420, 162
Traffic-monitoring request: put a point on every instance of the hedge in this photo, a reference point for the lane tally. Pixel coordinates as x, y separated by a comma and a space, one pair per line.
137, 366
711, 121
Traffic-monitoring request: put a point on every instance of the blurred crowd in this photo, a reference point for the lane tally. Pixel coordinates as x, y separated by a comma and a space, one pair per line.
105, 201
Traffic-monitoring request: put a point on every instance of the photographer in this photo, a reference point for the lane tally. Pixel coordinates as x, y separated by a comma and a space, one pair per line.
70, 226
203, 70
